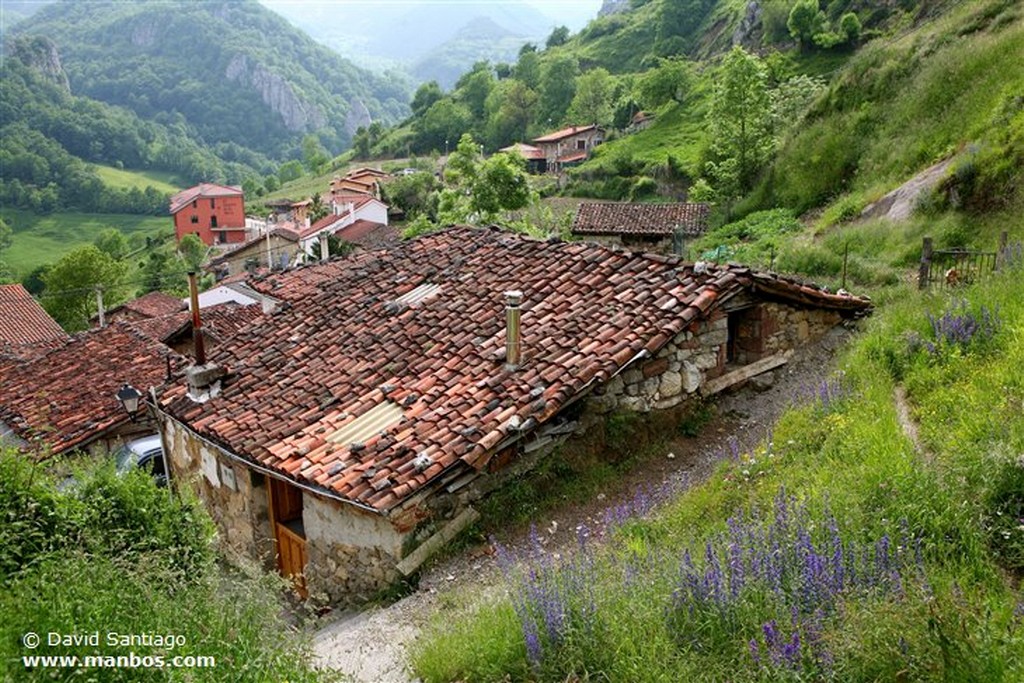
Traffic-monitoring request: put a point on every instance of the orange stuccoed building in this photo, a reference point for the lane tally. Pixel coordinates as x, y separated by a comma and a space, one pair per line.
216, 213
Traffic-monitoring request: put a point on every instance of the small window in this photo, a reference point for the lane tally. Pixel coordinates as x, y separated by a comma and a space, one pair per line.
195, 203
195, 219
213, 203
581, 144
213, 221
222, 237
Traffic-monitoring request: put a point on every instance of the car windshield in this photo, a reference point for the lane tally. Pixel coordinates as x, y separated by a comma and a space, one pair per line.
125, 458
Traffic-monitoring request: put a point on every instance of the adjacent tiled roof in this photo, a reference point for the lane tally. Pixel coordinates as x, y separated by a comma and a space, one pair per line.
528, 152
420, 329
565, 133
221, 321
358, 230
325, 222
571, 157
202, 190
23, 321
625, 218
66, 398
152, 305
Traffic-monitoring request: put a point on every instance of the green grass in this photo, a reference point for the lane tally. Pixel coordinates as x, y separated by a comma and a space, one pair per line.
963, 502
39, 240
127, 179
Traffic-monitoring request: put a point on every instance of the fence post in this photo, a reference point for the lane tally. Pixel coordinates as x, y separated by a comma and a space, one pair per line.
926, 263
846, 258
1004, 243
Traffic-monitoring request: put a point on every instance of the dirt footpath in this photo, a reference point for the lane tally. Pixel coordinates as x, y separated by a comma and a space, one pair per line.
370, 646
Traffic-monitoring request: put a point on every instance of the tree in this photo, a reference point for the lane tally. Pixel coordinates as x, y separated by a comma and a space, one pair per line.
289, 171
70, 292
335, 247
592, 102
461, 168
850, 27
558, 87
559, 36
501, 185
112, 242
805, 21
445, 121
510, 111
527, 69
740, 123
474, 88
669, 81
425, 96
192, 251
317, 208
313, 153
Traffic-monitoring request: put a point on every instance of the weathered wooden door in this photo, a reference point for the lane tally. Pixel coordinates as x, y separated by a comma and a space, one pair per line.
289, 535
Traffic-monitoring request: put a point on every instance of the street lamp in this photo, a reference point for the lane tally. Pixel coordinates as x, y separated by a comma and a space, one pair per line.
129, 397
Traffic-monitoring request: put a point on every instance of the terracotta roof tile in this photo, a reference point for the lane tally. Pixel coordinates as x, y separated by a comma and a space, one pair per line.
565, 133
151, 305
625, 218
23, 321
65, 399
341, 346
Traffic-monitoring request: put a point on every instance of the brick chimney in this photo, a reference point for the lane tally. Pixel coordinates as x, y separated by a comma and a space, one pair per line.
513, 351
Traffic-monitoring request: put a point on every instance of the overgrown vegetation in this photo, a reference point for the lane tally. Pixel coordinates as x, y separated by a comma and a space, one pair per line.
833, 551
115, 554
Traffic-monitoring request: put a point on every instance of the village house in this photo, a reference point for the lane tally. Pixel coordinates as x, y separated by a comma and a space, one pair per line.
569, 146
346, 435
216, 213
646, 226
641, 121
275, 251
66, 399
25, 328
352, 217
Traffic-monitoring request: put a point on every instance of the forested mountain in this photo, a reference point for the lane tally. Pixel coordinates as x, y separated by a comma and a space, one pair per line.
233, 72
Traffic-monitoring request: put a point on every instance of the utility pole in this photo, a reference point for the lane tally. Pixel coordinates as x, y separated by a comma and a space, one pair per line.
99, 306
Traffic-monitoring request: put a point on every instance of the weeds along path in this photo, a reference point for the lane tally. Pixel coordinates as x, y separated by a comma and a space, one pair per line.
909, 425
370, 646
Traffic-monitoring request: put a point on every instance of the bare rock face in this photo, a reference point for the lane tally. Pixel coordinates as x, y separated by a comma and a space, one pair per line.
40, 53
613, 7
358, 117
276, 93
745, 31
899, 204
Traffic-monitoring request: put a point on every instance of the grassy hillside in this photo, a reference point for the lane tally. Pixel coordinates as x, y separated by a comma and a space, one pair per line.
162, 181
39, 240
870, 537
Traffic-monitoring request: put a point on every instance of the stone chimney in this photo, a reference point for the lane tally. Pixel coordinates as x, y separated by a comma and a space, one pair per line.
513, 351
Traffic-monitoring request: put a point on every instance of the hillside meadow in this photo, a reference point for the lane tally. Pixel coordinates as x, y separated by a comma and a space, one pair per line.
877, 533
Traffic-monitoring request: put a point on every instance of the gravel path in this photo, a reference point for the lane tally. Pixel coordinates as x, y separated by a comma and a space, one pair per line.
369, 646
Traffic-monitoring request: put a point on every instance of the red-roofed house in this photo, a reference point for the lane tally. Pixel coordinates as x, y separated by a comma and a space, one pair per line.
346, 210
151, 305
65, 400
569, 145
348, 433
649, 226
216, 213
25, 327
536, 161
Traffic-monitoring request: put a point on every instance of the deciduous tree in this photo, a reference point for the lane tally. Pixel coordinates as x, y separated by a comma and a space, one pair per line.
592, 102
70, 296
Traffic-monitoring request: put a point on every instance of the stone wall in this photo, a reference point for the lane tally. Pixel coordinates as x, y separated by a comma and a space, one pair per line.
235, 496
351, 554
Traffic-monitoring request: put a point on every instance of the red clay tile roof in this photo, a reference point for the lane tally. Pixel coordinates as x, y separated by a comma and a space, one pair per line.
186, 197
569, 158
655, 220
528, 152
346, 342
358, 230
325, 222
220, 321
23, 321
65, 399
152, 305
565, 133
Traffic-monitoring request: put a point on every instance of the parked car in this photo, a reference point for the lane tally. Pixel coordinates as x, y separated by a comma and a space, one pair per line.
146, 453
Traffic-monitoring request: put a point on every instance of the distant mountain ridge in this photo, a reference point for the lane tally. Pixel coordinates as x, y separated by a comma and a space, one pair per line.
233, 71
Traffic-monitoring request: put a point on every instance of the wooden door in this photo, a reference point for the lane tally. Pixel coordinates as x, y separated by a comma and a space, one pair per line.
289, 535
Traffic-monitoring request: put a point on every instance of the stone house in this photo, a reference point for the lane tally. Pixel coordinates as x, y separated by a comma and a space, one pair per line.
276, 250
654, 227
345, 436
569, 146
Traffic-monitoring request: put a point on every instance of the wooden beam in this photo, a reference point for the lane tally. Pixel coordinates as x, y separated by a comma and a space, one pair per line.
744, 373
417, 557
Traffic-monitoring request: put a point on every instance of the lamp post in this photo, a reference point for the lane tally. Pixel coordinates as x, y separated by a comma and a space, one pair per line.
129, 397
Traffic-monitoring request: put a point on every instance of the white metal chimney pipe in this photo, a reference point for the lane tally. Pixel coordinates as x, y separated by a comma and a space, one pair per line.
513, 342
